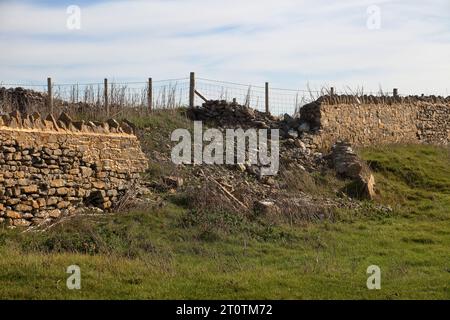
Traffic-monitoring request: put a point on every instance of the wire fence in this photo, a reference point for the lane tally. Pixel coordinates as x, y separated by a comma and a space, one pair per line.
124, 98
166, 93
88, 100
280, 100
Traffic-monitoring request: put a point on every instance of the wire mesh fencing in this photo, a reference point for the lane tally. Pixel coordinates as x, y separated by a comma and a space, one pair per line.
97, 101
279, 100
88, 100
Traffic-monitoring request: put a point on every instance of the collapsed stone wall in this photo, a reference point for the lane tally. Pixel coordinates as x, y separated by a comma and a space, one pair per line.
21, 99
50, 167
372, 120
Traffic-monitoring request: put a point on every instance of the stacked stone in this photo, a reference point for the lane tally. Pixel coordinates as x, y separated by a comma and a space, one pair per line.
386, 100
21, 99
433, 124
369, 120
311, 114
233, 115
50, 167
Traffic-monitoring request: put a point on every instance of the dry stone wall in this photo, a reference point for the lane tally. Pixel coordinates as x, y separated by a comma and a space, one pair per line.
21, 99
50, 167
372, 120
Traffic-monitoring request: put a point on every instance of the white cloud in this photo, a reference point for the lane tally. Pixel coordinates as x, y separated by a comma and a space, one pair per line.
286, 42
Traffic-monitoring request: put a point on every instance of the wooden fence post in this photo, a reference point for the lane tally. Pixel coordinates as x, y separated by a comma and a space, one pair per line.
332, 91
192, 90
267, 98
395, 92
50, 95
150, 94
105, 94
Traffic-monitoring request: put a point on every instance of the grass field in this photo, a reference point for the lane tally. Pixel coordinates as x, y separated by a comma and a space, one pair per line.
172, 252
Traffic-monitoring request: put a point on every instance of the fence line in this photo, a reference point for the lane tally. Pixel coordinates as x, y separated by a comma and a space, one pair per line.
114, 97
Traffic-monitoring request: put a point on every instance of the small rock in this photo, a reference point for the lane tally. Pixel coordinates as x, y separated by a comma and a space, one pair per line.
304, 127
13, 214
269, 181
300, 144
265, 207
21, 223
293, 134
174, 182
56, 213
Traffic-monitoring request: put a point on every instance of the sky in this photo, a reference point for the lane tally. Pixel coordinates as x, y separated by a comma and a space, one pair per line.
289, 43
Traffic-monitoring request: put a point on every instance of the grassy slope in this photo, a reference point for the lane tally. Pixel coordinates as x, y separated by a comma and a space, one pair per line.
171, 253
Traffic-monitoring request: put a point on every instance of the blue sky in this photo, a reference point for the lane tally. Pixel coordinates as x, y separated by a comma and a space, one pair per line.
290, 43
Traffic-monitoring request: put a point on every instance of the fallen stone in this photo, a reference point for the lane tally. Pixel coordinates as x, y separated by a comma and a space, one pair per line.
173, 182
265, 207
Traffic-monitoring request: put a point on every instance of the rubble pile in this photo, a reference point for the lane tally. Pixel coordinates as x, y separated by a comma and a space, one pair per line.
296, 146
298, 152
230, 114
21, 99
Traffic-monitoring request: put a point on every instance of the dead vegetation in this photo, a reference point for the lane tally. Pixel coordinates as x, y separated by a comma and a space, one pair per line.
87, 102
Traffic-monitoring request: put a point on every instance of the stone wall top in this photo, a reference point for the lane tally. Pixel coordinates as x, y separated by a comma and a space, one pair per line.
63, 124
389, 100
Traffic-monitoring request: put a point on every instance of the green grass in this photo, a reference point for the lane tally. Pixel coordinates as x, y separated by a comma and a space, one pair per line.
413, 178
172, 252
154, 134
155, 130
